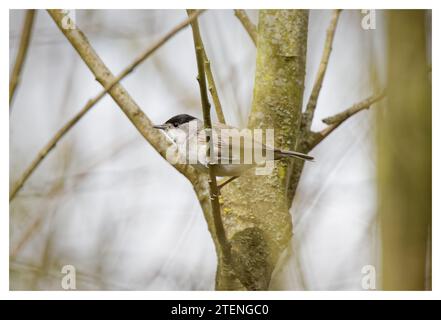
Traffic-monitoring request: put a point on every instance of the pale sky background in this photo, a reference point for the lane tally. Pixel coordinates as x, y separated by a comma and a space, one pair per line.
104, 201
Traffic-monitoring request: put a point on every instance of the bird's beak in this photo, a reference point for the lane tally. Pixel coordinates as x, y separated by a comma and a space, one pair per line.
159, 126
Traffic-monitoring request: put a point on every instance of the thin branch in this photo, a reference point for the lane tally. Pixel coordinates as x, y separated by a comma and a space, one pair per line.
314, 138
118, 93
214, 191
69, 124
21, 53
212, 87
247, 24
365, 104
308, 115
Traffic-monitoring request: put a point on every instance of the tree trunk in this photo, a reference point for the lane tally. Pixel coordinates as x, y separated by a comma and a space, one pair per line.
255, 207
404, 154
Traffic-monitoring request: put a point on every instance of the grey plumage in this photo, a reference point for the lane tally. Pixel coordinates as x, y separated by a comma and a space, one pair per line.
230, 147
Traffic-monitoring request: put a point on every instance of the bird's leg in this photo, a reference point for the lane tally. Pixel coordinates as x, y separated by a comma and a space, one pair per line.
227, 181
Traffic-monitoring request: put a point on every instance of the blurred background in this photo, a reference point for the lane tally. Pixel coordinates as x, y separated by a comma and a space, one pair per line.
105, 202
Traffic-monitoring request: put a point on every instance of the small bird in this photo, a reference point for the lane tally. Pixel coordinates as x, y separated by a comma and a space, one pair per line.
188, 135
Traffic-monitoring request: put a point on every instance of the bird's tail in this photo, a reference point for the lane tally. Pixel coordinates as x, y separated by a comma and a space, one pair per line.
292, 154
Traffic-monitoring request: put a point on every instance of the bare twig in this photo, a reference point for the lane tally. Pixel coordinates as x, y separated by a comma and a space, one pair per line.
247, 24
21, 54
335, 121
227, 181
119, 94
212, 87
308, 115
64, 129
214, 191
342, 116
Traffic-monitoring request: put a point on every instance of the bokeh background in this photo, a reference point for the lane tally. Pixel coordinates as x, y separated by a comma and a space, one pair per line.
105, 202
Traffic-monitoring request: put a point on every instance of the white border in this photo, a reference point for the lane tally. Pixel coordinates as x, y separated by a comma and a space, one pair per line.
323, 4
224, 4
221, 295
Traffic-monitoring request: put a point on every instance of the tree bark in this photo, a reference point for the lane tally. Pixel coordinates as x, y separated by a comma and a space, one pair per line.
404, 154
255, 208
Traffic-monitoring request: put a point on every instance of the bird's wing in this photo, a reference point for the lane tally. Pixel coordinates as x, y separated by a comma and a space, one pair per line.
223, 147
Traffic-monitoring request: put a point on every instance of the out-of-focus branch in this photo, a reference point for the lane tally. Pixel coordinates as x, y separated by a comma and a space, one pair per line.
214, 191
53, 272
247, 24
21, 54
26, 236
335, 121
404, 155
69, 124
119, 94
51, 144
308, 115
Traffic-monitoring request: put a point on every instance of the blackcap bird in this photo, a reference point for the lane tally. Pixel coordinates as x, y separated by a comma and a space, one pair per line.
228, 158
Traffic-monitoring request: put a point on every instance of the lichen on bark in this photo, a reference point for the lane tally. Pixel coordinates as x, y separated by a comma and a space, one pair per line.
255, 208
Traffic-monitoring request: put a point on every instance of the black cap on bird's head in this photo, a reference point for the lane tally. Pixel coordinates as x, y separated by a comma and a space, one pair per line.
180, 119
176, 121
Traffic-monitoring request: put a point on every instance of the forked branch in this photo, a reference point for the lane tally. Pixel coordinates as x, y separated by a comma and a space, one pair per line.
314, 138
118, 93
214, 191
92, 102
